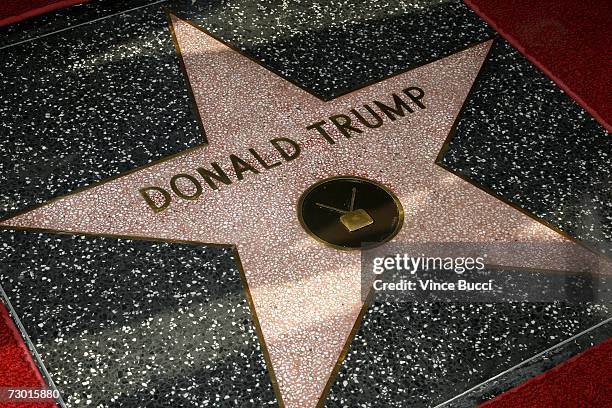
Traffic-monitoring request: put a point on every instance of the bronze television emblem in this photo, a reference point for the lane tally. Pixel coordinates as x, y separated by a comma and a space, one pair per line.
348, 212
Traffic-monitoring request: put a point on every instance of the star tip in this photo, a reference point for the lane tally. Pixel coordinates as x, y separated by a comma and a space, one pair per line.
170, 14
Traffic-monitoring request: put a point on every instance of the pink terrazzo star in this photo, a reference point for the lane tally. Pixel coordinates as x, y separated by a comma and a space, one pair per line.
306, 296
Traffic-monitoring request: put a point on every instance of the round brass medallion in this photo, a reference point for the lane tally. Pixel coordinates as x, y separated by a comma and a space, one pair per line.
347, 212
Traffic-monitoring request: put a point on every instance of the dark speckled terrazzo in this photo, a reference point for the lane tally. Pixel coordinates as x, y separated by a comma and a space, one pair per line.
330, 47
88, 104
420, 355
530, 368
65, 18
97, 100
523, 138
122, 323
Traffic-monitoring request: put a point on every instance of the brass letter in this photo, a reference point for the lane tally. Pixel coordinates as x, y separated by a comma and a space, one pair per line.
400, 105
378, 123
261, 161
196, 183
208, 175
319, 127
157, 208
240, 166
415, 98
344, 126
288, 156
